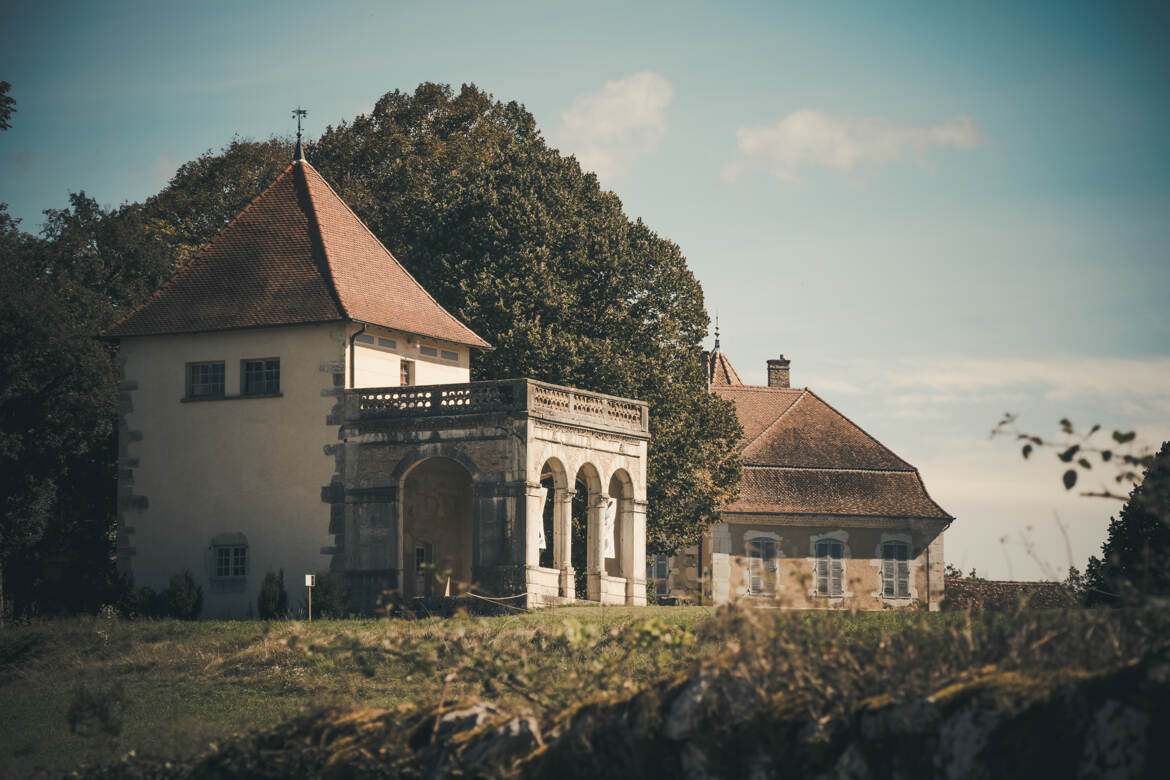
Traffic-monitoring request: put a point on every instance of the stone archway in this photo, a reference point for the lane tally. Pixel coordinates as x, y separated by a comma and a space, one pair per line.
438, 528
586, 513
621, 490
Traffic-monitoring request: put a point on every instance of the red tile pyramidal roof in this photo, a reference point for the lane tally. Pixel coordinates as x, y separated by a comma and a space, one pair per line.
295, 255
720, 372
802, 456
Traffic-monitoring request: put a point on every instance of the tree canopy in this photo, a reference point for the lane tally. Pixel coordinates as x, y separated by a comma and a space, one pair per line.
1135, 559
518, 242
505, 232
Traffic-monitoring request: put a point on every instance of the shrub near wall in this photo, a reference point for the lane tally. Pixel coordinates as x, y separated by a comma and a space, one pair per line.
184, 598
963, 593
273, 601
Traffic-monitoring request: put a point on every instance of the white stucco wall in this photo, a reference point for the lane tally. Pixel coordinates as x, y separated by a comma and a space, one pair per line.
238, 465
379, 364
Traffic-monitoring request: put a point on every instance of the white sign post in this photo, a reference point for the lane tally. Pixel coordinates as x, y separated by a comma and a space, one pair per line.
310, 581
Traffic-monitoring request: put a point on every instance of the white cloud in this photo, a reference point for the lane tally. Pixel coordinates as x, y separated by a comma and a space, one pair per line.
1056, 379
807, 138
610, 129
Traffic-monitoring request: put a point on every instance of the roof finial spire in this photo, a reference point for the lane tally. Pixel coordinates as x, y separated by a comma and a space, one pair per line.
299, 154
716, 332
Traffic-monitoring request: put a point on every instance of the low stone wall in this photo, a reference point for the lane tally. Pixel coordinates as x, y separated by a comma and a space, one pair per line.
1005, 594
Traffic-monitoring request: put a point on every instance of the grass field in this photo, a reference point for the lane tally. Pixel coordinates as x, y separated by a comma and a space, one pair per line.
172, 687
184, 684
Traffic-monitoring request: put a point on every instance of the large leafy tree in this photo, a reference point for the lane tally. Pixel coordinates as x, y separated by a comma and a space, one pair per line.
58, 396
526, 248
1135, 559
506, 232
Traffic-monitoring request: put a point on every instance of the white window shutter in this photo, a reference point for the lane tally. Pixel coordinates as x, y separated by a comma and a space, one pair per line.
837, 575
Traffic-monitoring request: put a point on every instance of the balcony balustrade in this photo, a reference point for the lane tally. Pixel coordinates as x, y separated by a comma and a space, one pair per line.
540, 400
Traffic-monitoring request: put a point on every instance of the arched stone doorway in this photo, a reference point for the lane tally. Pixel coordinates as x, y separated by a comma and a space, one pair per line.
438, 529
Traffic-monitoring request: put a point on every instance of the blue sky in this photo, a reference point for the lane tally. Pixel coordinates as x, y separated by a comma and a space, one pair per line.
938, 211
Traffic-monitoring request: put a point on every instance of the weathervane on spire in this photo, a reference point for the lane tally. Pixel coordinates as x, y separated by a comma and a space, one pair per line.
716, 331
297, 113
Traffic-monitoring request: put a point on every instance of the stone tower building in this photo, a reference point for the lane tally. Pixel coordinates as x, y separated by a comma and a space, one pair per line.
293, 399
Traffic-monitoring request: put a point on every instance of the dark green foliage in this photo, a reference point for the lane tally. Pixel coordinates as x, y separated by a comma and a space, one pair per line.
183, 598
1135, 559
59, 398
142, 601
273, 600
7, 106
329, 597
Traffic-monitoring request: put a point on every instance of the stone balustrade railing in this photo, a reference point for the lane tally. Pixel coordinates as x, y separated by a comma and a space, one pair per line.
542, 400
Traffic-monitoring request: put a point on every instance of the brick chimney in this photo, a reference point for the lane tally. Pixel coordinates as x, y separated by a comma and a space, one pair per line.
778, 372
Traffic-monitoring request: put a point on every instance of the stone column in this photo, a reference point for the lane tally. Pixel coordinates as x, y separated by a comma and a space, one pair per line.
595, 559
563, 541
720, 563
634, 552
533, 520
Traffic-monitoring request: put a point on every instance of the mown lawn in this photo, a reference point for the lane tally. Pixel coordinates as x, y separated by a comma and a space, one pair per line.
172, 687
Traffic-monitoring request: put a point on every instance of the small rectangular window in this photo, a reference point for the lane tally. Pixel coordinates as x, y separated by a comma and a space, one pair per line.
761, 566
830, 567
364, 338
896, 570
260, 377
450, 355
407, 378
657, 572
205, 380
388, 343
231, 561
429, 351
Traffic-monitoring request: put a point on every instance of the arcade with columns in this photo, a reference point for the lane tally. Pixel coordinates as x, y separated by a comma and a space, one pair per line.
516, 490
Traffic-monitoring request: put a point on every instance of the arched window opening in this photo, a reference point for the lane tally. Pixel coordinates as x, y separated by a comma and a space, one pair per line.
896, 570
616, 526
830, 567
587, 489
548, 530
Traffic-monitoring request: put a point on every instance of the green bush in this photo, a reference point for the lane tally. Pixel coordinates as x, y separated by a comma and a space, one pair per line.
273, 601
142, 601
184, 599
329, 598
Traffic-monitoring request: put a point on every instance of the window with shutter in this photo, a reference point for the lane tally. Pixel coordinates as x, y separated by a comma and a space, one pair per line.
896, 570
830, 567
761, 566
